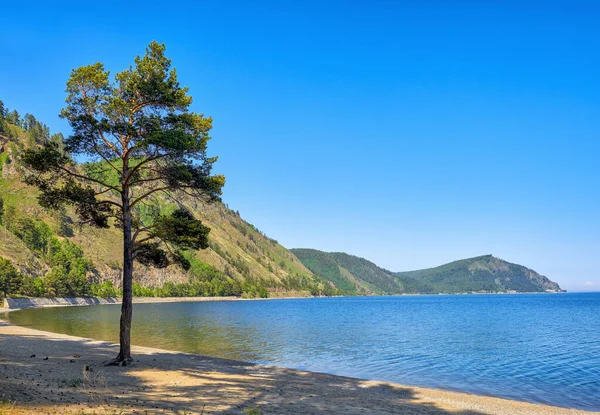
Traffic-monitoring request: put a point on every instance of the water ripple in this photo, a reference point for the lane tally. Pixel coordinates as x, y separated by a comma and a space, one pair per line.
537, 348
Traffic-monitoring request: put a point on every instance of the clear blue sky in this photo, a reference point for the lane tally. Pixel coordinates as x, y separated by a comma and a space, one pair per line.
411, 133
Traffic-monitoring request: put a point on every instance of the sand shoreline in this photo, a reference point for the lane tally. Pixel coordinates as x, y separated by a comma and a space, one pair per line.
49, 302
163, 381
43, 302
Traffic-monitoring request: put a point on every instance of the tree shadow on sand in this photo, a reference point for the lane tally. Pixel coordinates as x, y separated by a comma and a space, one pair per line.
178, 383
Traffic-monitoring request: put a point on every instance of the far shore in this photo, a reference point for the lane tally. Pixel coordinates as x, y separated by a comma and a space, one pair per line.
45, 302
51, 373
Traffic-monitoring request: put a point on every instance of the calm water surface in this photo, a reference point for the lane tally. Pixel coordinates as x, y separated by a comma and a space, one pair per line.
537, 348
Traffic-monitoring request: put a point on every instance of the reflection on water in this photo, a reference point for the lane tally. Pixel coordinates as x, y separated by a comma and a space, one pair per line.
539, 348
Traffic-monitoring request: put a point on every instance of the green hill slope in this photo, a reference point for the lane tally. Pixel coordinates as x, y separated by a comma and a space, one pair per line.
354, 275
483, 273
324, 265
239, 254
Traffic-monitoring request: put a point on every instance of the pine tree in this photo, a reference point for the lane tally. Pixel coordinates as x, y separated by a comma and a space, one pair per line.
144, 141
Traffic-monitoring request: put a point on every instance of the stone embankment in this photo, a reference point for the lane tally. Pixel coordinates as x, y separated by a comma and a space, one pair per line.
20, 303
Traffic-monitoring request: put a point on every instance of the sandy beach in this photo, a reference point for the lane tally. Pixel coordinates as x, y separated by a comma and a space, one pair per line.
50, 373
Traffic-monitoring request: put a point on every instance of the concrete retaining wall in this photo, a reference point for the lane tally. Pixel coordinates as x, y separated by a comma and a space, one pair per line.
18, 303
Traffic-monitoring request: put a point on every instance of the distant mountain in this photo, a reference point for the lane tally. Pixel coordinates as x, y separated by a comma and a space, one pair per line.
483, 273
354, 275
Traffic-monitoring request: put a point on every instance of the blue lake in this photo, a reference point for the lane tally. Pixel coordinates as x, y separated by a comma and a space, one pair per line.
536, 348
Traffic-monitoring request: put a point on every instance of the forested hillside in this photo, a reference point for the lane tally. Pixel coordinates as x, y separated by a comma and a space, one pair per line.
48, 253
354, 275
485, 273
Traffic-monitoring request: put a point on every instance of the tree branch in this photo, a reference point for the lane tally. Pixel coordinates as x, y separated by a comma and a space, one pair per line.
141, 241
110, 202
80, 176
153, 179
87, 222
141, 105
145, 195
140, 164
137, 251
106, 159
102, 192
89, 111
140, 230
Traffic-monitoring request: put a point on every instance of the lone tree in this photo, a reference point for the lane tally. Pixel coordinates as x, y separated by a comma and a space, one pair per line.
140, 142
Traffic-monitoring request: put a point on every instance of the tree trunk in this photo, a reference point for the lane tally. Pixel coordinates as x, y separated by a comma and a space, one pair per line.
124, 356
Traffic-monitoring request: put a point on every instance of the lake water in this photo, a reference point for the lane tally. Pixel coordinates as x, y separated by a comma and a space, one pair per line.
536, 348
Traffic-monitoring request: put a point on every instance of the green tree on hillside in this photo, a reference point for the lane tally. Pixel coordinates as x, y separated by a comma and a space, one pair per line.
143, 141
2, 115
13, 117
10, 279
